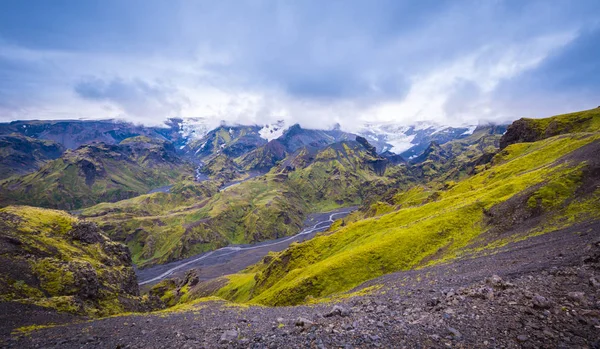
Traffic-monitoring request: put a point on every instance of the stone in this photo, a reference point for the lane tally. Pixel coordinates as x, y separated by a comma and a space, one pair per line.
302, 322
338, 311
496, 282
576, 296
541, 302
229, 336
86, 232
454, 332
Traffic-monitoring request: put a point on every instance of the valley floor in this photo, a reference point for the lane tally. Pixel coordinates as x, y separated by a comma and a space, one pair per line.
541, 292
233, 258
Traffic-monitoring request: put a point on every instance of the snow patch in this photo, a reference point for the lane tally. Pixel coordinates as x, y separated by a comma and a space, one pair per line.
272, 131
470, 130
195, 128
401, 144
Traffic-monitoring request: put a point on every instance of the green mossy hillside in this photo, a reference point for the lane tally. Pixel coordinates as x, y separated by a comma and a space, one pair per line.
426, 229
163, 227
196, 217
263, 158
97, 173
232, 141
222, 167
20, 154
342, 174
530, 130
52, 259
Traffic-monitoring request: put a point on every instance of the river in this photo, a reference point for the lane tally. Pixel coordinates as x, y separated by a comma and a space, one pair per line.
232, 259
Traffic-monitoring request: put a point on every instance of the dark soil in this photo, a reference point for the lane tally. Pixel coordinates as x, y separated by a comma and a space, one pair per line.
543, 292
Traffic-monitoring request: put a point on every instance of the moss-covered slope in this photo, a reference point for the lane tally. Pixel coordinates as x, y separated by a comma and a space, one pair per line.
530, 130
21, 154
98, 173
263, 158
196, 217
232, 141
162, 227
341, 174
537, 186
52, 259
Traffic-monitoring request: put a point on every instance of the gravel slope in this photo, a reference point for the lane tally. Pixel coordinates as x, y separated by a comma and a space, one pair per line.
543, 292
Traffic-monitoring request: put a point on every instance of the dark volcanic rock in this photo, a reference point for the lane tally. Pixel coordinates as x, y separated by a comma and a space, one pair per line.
86, 232
394, 159
363, 141
519, 131
51, 259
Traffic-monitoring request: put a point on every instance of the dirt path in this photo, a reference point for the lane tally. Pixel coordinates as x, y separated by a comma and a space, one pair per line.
231, 259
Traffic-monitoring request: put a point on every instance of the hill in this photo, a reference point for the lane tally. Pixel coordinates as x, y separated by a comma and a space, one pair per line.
98, 172
528, 189
163, 227
21, 154
53, 260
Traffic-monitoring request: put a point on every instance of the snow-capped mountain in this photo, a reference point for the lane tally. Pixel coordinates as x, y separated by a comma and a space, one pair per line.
411, 140
406, 140
195, 128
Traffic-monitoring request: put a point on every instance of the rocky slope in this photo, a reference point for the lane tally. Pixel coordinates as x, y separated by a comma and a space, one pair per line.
20, 154
96, 173
51, 259
530, 130
541, 292
231, 141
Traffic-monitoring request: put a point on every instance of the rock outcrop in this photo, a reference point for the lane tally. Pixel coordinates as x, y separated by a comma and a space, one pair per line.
51, 259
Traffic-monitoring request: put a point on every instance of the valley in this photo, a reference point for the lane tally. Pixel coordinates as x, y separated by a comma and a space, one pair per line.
213, 264
312, 238
345, 174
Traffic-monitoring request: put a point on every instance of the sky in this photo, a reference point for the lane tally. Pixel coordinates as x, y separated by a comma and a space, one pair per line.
317, 63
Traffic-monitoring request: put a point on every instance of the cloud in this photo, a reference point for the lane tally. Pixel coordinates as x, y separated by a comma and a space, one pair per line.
309, 62
135, 98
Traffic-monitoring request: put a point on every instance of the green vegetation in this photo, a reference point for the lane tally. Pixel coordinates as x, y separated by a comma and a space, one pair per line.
196, 217
529, 130
428, 226
20, 154
97, 173
52, 259
583, 121
342, 174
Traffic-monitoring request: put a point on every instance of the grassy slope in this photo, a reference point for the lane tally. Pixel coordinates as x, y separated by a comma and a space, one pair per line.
21, 154
164, 226
444, 227
529, 130
340, 175
196, 217
95, 173
43, 264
